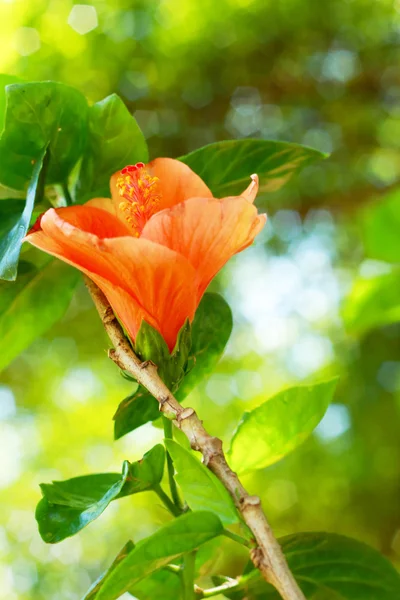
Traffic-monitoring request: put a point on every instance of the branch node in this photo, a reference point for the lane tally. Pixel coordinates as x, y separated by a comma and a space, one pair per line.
213, 450
163, 400
166, 408
185, 414
250, 502
147, 363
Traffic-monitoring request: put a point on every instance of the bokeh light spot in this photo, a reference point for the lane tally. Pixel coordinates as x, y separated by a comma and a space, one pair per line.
7, 403
335, 422
83, 18
340, 65
27, 41
389, 376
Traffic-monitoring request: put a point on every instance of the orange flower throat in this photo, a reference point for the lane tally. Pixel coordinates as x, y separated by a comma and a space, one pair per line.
140, 193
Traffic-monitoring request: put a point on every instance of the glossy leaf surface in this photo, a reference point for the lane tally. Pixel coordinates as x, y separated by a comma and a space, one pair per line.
134, 411
226, 166
181, 535
328, 566
4, 81
68, 506
15, 216
114, 141
200, 487
38, 115
211, 329
273, 429
160, 582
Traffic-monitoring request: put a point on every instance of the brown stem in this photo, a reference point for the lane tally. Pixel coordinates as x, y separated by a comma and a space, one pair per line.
267, 556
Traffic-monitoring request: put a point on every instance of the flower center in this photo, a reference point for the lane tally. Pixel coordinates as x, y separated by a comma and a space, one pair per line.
140, 195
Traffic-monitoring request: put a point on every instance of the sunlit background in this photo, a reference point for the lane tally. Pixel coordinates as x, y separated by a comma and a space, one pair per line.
325, 74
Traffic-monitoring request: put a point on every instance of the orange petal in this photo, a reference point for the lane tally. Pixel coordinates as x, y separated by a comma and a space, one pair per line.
104, 203
207, 232
88, 217
251, 191
177, 183
141, 280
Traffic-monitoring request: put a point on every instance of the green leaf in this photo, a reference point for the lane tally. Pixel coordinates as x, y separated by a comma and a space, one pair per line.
115, 140
276, 427
4, 81
177, 537
380, 227
226, 166
328, 566
160, 584
147, 589
145, 474
11, 215
211, 329
92, 592
373, 303
150, 345
68, 506
200, 487
134, 411
38, 115
15, 217
33, 305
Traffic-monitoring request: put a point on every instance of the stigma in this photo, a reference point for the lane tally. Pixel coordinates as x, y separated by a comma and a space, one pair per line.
140, 195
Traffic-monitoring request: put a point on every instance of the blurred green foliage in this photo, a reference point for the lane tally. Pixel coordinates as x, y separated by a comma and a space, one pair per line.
323, 74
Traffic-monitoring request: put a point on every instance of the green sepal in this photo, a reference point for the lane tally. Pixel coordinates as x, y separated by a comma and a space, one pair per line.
151, 346
180, 354
196, 353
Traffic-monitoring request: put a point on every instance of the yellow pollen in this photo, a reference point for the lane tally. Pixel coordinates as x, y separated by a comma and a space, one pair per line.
140, 194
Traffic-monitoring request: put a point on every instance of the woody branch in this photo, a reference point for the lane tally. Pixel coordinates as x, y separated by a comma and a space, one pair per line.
267, 555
